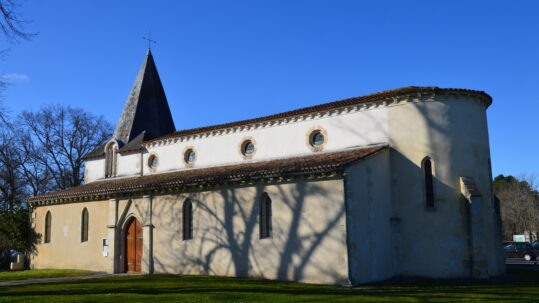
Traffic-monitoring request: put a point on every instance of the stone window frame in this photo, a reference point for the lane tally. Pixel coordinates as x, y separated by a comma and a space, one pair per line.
242, 145
184, 156
111, 158
310, 135
426, 204
265, 216
150, 156
47, 230
85, 225
187, 219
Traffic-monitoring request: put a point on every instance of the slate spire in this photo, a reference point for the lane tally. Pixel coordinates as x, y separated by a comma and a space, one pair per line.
146, 109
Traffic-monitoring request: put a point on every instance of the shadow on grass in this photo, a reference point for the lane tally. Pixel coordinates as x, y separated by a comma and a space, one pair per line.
517, 286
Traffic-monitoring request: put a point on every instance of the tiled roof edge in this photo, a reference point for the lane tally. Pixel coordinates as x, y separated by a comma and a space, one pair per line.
320, 164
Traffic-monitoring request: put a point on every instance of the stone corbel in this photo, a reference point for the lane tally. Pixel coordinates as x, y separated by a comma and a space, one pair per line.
468, 188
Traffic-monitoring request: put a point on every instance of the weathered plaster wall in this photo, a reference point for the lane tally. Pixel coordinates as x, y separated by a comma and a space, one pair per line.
369, 212
66, 251
453, 132
94, 169
129, 164
308, 241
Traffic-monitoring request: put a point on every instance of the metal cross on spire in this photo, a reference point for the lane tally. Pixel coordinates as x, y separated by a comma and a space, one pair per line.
149, 38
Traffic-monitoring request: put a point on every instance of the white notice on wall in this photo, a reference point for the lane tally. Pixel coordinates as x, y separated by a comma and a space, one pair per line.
105, 247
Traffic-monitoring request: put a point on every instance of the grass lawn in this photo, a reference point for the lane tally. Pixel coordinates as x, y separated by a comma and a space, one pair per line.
518, 286
42, 273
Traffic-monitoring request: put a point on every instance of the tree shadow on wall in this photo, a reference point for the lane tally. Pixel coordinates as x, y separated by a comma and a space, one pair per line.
226, 236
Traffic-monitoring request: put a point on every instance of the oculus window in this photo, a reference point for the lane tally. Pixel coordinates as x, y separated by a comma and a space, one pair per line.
153, 161
248, 148
189, 156
316, 139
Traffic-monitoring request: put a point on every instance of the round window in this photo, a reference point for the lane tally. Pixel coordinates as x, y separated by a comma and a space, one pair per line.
317, 138
248, 148
190, 156
152, 161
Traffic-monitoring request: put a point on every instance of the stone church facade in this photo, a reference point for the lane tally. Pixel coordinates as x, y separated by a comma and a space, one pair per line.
395, 183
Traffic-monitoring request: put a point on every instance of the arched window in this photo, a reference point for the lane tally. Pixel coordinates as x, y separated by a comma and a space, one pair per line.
428, 182
84, 226
187, 220
110, 161
265, 216
48, 219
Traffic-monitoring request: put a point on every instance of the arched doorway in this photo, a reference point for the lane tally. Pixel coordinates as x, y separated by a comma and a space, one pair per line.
133, 246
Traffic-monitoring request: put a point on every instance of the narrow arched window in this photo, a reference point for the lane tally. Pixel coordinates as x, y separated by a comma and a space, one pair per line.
187, 220
84, 226
265, 216
48, 220
428, 182
110, 160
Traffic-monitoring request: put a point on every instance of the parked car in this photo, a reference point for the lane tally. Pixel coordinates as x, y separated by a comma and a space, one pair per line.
522, 250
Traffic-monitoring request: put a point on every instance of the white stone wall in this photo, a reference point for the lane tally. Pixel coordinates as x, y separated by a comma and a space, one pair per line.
368, 218
345, 130
129, 165
94, 170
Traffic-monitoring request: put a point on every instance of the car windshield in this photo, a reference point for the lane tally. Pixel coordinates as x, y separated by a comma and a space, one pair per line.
509, 246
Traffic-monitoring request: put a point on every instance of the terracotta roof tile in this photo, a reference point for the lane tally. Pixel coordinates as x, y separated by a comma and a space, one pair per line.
312, 164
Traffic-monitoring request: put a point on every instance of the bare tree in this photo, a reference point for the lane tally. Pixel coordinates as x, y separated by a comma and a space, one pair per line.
12, 183
61, 137
12, 24
519, 204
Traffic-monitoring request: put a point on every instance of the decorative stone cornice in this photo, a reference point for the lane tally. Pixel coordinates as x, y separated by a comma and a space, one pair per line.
478, 97
310, 167
180, 189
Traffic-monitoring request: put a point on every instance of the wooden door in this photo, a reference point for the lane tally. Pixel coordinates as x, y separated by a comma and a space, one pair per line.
133, 246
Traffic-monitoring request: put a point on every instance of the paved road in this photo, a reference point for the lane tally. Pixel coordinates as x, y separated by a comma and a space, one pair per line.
521, 263
49, 280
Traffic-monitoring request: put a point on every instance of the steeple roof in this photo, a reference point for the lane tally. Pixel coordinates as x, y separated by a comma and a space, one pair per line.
146, 109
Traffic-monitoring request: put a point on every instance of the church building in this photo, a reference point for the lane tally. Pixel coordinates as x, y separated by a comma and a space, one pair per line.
391, 184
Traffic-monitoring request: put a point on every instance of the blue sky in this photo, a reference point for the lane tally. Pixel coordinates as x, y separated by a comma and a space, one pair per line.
222, 61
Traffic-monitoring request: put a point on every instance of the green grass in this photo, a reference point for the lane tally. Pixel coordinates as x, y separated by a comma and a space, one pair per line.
517, 286
42, 273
